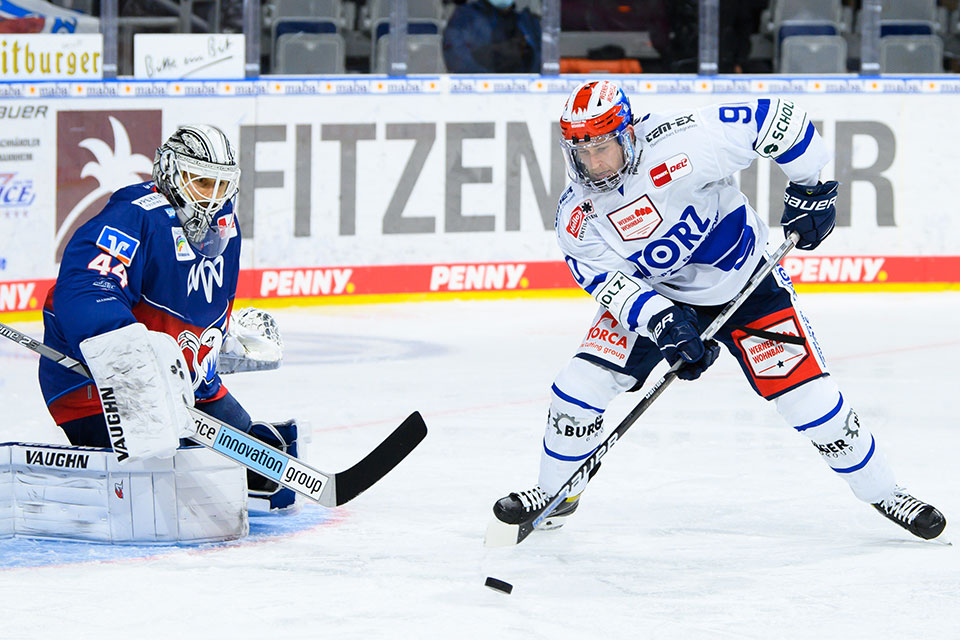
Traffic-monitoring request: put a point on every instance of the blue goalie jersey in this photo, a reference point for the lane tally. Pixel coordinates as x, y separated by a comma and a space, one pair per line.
133, 263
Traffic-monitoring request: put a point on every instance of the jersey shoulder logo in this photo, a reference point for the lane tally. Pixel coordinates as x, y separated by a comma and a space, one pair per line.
637, 220
151, 201
118, 244
676, 167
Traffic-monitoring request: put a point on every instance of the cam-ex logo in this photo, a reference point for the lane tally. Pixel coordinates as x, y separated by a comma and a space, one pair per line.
666, 127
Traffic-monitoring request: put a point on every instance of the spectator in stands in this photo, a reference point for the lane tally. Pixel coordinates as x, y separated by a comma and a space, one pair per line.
491, 36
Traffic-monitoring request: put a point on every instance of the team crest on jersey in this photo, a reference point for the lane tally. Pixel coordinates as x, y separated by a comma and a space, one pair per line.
637, 220
578, 217
676, 167
207, 274
184, 250
201, 353
118, 244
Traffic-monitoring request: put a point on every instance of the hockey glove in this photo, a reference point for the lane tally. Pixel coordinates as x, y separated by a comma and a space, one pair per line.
675, 331
810, 211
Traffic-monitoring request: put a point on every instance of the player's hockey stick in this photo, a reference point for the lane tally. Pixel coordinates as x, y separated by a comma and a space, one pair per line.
501, 534
328, 489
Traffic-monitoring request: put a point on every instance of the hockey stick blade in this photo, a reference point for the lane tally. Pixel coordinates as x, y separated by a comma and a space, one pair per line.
388, 454
502, 534
328, 489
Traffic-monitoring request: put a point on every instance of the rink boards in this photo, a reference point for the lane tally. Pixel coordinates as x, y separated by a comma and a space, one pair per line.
364, 188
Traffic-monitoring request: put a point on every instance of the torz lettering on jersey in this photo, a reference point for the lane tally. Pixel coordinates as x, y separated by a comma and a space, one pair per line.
664, 252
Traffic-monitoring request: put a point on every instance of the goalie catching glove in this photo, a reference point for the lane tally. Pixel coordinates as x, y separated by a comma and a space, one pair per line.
144, 387
252, 343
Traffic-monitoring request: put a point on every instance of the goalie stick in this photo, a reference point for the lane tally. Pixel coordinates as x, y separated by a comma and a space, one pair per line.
328, 489
501, 534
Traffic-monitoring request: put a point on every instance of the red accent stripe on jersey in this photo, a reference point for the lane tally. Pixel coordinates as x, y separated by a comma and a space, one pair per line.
79, 403
601, 125
222, 391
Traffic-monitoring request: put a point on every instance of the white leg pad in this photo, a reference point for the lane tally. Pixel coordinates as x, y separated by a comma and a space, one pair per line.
80, 493
581, 393
818, 411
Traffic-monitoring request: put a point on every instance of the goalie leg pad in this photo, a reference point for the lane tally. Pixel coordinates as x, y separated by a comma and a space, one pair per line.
144, 389
581, 393
82, 493
819, 411
265, 494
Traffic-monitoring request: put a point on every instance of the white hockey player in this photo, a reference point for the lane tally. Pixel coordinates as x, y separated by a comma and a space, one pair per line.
654, 227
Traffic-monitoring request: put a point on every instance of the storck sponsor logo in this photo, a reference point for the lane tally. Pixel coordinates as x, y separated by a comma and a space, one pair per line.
17, 296
59, 459
483, 277
305, 282
845, 269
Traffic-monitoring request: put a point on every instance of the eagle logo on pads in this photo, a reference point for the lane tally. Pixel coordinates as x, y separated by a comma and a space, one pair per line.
637, 220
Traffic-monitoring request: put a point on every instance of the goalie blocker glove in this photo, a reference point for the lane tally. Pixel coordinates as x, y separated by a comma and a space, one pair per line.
811, 211
675, 331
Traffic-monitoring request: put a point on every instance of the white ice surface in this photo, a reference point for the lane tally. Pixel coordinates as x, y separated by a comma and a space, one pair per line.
711, 518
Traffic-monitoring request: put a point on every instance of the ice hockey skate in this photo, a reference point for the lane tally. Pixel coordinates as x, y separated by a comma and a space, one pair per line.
916, 516
513, 508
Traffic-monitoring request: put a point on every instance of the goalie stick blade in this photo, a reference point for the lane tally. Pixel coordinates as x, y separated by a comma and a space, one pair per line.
378, 463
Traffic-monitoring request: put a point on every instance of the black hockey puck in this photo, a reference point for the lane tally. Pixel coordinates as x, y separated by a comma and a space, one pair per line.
498, 585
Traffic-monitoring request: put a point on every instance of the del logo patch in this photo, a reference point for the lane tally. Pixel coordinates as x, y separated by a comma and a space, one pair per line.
118, 244
676, 167
771, 359
637, 220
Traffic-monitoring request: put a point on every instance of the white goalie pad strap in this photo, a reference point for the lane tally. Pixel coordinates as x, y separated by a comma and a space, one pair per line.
252, 343
144, 388
80, 493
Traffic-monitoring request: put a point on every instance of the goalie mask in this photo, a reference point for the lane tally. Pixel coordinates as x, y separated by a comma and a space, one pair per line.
197, 170
598, 140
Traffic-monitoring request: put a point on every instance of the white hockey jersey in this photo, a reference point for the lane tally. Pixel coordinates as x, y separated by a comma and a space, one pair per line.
678, 228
